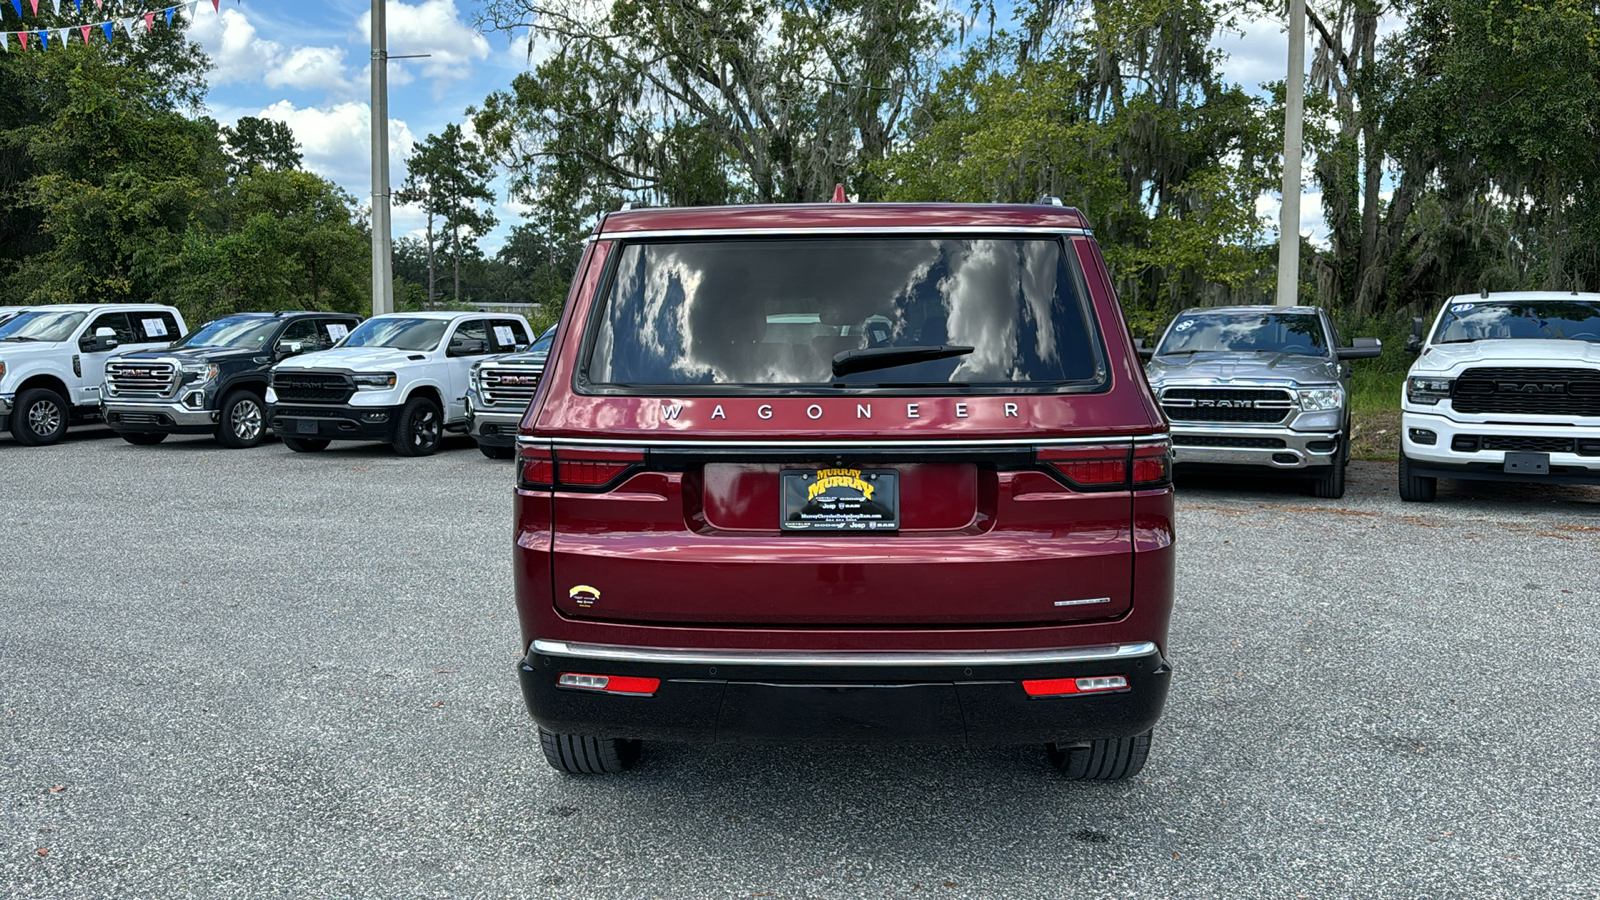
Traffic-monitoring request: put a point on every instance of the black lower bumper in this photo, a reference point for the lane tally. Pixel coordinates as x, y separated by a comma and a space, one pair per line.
154, 423
972, 705
334, 421
1496, 472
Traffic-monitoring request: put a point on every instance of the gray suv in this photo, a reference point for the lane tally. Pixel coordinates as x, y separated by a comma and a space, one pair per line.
1258, 388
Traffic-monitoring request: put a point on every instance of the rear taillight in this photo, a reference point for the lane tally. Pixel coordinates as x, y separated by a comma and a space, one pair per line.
575, 470
1109, 467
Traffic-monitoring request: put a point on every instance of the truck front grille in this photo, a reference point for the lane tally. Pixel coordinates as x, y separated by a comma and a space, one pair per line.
509, 387
141, 380
1472, 443
1208, 440
1254, 405
313, 387
1529, 390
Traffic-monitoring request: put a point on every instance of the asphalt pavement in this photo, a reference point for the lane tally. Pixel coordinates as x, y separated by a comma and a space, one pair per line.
265, 674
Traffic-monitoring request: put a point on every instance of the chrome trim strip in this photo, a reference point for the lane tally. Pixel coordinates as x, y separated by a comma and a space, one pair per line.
779, 231
614, 653
779, 444
1087, 602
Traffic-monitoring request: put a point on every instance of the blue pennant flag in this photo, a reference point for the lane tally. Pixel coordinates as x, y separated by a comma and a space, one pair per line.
170, 11
18, 5
44, 39
108, 29
79, 5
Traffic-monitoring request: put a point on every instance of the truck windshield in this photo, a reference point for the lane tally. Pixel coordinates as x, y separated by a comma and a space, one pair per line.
1299, 334
236, 332
1487, 320
399, 333
980, 312
41, 325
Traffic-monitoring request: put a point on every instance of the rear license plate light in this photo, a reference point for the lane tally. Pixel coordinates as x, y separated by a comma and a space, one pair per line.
610, 684
1058, 687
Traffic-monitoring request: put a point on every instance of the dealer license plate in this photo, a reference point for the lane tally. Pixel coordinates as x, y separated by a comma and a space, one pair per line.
840, 499
1518, 463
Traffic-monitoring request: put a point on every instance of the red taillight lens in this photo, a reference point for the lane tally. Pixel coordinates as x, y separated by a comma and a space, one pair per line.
1088, 466
1152, 464
546, 469
1056, 687
610, 684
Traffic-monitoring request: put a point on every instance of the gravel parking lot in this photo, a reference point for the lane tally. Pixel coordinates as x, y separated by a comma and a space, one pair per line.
259, 673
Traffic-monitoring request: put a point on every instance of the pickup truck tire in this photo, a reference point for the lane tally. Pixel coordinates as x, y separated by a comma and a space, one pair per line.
306, 445
1329, 484
241, 421
582, 754
419, 428
143, 438
497, 452
1107, 759
39, 418
1416, 488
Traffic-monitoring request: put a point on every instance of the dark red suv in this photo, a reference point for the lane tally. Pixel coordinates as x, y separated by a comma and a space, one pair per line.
845, 472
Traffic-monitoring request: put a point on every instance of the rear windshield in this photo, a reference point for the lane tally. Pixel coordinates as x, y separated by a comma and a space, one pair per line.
1299, 334
981, 313
1480, 320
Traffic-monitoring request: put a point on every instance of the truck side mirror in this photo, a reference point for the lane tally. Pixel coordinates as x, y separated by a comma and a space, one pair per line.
103, 339
1414, 341
1362, 348
292, 348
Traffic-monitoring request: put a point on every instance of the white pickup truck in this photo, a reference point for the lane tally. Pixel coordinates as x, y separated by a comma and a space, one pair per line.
399, 378
53, 361
1506, 387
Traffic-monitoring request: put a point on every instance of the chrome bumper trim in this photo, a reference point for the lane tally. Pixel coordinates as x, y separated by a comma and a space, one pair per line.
615, 653
180, 414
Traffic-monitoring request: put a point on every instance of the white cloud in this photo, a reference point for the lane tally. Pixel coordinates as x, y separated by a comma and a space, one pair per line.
336, 142
1313, 227
236, 51
433, 27
311, 68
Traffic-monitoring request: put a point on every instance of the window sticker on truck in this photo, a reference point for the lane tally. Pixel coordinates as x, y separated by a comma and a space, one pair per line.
338, 330
155, 327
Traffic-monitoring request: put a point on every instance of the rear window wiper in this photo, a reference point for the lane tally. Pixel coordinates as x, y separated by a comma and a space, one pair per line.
851, 361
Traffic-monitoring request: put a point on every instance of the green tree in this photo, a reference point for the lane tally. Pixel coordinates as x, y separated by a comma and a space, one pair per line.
261, 144
448, 176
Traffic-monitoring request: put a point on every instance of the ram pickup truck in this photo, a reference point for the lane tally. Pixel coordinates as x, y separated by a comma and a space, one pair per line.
1506, 387
53, 361
399, 378
214, 380
844, 472
1258, 388
499, 393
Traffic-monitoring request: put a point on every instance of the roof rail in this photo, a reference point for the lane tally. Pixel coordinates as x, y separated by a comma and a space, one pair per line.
1049, 200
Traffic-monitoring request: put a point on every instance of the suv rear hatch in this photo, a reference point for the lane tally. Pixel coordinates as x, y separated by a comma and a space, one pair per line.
879, 430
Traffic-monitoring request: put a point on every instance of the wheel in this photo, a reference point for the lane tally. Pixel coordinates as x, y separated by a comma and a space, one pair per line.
39, 418
306, 445
417, 431
1415, 488
582, 754
240, 421
497, 452
1108, 759
1329, 485
143, 438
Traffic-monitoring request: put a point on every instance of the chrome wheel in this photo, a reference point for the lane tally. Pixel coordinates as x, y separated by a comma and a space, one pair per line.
246, 420
44, 417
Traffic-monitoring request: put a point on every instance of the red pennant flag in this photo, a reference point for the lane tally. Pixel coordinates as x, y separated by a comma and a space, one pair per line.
149, 22
85, 30
22, 38
215, 5
36, 7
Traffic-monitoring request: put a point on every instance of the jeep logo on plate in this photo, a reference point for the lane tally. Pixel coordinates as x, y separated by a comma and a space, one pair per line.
1530, 387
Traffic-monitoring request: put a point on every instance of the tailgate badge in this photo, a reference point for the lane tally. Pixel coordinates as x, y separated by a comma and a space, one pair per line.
584, 595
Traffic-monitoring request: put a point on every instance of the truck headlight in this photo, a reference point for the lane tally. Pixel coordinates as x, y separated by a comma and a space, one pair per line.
1322, 398
1427, 390
374, 381
198, 373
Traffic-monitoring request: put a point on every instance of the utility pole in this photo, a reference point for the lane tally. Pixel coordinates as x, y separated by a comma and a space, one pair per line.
382, 238
1294, 114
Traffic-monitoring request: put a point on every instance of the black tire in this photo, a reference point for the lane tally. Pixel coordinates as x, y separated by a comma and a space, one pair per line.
1329, 484
40, 417
143, 438
497, 452
418, 430
1108, 759
582, 754
241, 420
306, 445
1416, 488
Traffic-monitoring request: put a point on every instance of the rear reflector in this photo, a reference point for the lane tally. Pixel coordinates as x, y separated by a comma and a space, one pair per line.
1055, 687
611, 684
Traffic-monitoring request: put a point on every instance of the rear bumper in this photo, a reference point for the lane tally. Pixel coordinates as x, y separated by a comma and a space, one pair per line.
160, 417
1269, 446
332, 421
955, 698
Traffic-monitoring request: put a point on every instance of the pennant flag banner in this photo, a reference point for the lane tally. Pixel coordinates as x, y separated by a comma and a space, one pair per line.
18, 5
44, 39
5, 41
149, 22
106, 27
85, 30
170, 10
63, 35
35, 8
22, 38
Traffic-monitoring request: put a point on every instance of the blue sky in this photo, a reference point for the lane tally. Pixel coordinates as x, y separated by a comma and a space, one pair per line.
305, 63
